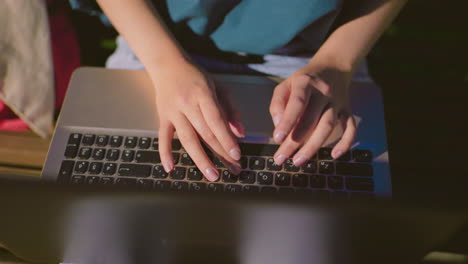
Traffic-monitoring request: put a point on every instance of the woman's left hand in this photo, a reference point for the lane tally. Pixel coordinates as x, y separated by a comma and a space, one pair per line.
305, 108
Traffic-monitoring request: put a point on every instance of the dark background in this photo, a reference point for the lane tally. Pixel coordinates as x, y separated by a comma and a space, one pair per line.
421, 63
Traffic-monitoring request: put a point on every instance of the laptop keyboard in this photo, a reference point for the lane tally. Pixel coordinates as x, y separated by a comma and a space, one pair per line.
135, 161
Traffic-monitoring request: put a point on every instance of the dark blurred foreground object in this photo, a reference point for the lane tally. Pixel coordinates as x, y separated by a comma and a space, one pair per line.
50, 223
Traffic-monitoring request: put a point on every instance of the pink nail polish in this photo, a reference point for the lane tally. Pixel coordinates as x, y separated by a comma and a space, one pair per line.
235, 153
279, 136
280, 159
338, 154
211, 174
299, 161
167, 167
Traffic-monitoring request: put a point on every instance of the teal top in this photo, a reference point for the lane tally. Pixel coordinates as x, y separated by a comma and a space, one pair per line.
251, 26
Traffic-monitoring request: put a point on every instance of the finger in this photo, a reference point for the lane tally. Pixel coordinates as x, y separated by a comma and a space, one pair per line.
210, 140
232, 114
279, 101
189, 139
166, 133
218, 126
302, 130
349, 133
318, 137
297, 103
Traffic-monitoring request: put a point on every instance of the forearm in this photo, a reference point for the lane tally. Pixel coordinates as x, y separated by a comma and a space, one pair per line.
145, 31
348, 45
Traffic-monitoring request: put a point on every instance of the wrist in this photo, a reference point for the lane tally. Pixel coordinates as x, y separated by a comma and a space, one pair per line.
334, 60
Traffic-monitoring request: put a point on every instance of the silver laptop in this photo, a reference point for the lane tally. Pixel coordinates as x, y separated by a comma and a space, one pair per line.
107, 134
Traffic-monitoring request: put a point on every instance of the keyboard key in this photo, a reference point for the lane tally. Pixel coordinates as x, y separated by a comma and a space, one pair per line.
78, 179
143, 156
74, 139
252, 149
309, 167
197, 186
359, 184
215, 187
179, 186
159, 172
325, 154
93, 180
290, 167
81, 166
113, 154
145, 184
186, 160
335, 182
116, 141
250, 188
286, 190
194, 174
126, 182
345, 157
244, 162
265, 178
268, 189
361, 155
326, 167
99, 153
66, 169
95, 168
233, 188
84, 153
178, 173
71, 151
218, 163
161, 185
317, 181
257, 163
272, 166
144, 142
88, 139
102, 140
134, 170
300, 180
107, 181
130, 142
109, 169
354, 169
229, 177
155, 144
176, 157
282, 179
176, 144
247, 177
127, 155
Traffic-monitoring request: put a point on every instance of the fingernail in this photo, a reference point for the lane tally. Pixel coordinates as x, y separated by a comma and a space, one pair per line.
235, 153
167, 167
234, 169
279, 136
279, 159
276, 119
299, 160
211, 174
338, 154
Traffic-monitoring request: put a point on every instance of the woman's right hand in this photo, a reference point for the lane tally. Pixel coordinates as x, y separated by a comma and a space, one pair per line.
188, 103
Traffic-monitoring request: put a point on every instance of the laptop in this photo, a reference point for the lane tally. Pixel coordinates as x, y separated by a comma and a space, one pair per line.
108, 127
90, 224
